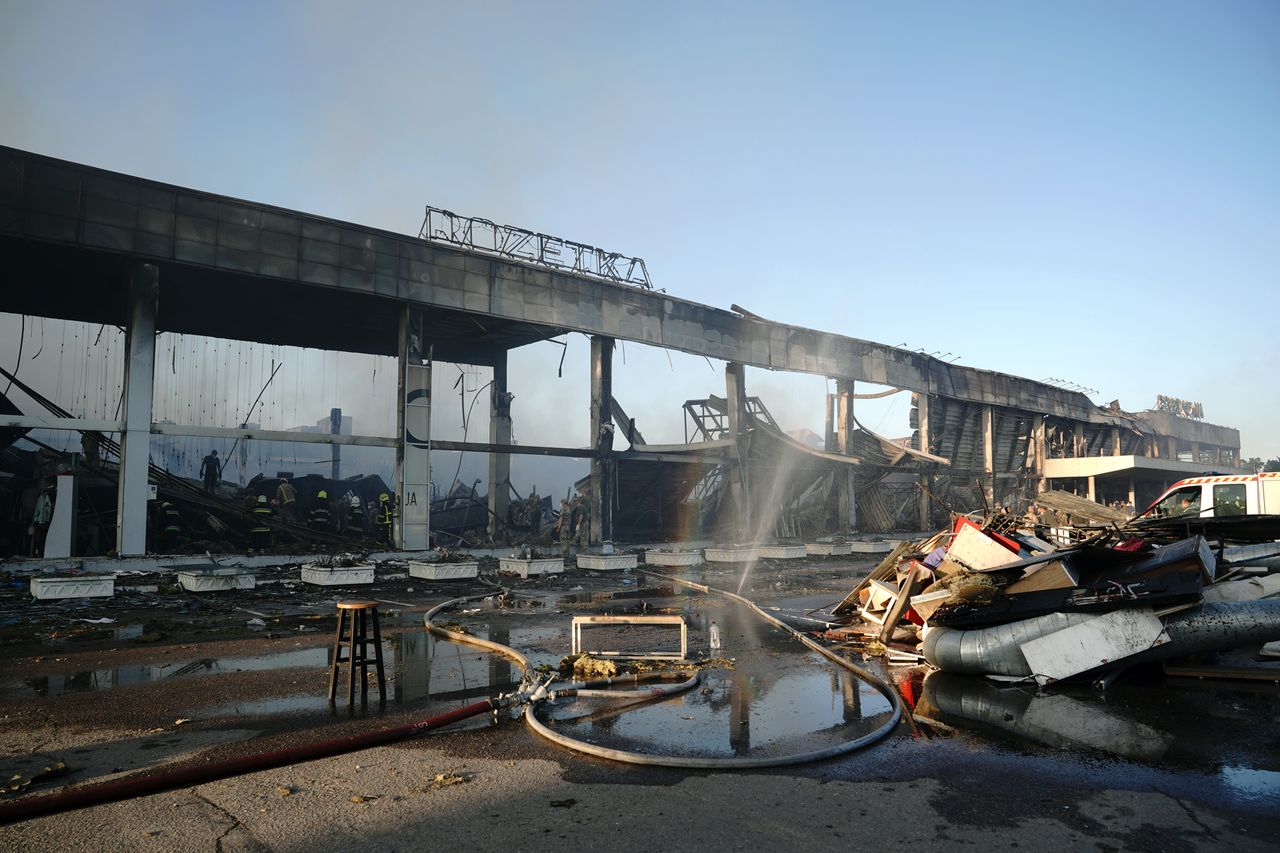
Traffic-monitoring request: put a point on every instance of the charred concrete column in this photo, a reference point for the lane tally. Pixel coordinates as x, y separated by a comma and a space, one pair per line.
1117, 445
335, 454
844, 424
1041, 444
922, 425
601, 438
135, 441
499, 433
989, 455
413, 426
829, 442
1091, 484
735, 386
1077, 440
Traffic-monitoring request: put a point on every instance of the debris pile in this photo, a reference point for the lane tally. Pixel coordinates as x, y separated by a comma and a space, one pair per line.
992, 597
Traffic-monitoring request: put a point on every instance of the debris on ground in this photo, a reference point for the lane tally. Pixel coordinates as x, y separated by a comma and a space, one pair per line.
1067, 604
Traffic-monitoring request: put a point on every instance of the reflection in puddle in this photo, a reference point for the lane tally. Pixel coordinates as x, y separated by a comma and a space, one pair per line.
778, 699
1252, 784
1212, 727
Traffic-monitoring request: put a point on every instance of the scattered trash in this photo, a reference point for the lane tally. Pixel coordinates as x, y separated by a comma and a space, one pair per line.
992, 597
256, 623
105, 620
444, 780
563, 804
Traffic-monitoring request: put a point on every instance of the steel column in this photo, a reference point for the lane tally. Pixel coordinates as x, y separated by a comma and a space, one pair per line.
413, 426
845, 424
135, 441
499, 433
601, 438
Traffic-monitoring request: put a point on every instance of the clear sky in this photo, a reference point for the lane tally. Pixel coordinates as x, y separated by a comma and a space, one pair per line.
1083, 190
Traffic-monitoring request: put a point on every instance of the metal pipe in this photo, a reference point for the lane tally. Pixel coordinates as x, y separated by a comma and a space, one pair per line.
998, 650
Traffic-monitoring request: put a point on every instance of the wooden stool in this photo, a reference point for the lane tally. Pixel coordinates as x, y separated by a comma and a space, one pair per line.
358, 641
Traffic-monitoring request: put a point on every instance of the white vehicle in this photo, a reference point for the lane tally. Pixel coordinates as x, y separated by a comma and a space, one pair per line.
1219, 496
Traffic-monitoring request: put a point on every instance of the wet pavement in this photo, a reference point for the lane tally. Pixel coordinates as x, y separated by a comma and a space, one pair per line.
113, 698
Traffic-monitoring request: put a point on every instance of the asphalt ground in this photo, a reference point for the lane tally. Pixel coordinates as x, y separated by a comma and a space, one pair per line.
1153, 764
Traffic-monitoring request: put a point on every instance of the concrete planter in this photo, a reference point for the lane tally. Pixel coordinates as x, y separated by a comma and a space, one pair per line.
336, 575
673, 558
607, 563
781, 552
732, 555
881, 547
85, 586
828, 549
444, 571
530, 568
215, 580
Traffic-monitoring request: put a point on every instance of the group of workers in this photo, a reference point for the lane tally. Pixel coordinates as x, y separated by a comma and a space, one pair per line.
350, 517
574, 522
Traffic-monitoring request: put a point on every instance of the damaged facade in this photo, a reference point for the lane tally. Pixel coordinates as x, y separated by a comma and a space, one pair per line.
145, 256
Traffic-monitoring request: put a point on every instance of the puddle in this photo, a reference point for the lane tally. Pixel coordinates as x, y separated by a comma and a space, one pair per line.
1210, 727
778, 699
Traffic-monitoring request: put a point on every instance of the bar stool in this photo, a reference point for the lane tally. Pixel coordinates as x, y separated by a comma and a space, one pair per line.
354, 633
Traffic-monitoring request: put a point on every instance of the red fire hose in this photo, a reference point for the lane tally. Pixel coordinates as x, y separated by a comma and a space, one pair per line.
154, 783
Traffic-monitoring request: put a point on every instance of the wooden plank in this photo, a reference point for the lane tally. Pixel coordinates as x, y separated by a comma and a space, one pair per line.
887, 568
1053, 575
900, 603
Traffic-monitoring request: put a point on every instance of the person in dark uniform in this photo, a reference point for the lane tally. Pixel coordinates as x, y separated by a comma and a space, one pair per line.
260, 533
320, 517
211, 471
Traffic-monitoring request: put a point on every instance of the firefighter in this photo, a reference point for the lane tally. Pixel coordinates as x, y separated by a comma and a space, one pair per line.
287, 498
320, 517
564, 526
384, 519
170, 526
533, 513
356, 518
260, 533
582, 515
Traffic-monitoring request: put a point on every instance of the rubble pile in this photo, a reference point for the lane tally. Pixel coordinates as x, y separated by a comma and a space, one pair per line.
992, 597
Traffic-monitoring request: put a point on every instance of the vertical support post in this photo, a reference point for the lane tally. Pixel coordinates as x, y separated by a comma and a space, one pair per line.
135, 442
1116, 444
413, 425
922, 419
844, 425
1133, 494
1042, 452
1091, 484
499, 433
601, 438
735, 386
1171, 442
1077, 440
335, 458
1195, 452
829, 426
989, 455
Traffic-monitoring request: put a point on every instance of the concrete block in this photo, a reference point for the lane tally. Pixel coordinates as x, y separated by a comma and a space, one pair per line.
781, 552
336, 576
443, 571
215, 580
607, 563
828, 549
530, 568
82, 586
743, 554
673, 558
